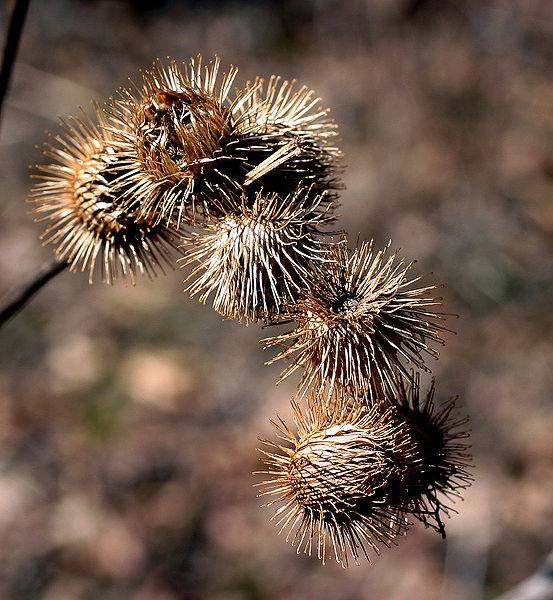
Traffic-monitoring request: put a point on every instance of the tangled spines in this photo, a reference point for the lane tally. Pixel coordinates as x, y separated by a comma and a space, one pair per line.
257, 258
286, 137
437, 467
351, 477
243, 182
186, 141
87, 217
362, 318
330, 481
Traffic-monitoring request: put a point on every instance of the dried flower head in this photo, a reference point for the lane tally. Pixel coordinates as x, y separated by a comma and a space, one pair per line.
258, 256
189, 143
360, 319
286, 137
90, 223
436, 467
331, 481
170, 131
353, 473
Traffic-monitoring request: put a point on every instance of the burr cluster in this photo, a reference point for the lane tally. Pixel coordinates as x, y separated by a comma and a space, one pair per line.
241, 185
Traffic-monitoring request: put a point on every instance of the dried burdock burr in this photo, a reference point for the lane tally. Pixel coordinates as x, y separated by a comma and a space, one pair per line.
78, 196
360, 321
188, 141
171, 131
352, 475
287, 137
437, 465
257, 257
331, 480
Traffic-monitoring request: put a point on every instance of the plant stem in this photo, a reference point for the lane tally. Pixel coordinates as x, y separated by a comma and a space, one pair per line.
10, 49
19, 298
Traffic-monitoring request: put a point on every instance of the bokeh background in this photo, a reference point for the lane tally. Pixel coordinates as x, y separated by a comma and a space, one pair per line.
129, 417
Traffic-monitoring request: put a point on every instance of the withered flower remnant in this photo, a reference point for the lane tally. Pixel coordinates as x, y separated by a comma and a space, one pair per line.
257, 257
330, 481
88, 219
360, 320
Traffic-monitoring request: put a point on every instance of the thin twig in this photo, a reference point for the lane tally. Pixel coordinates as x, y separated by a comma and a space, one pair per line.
19, 298
10, 49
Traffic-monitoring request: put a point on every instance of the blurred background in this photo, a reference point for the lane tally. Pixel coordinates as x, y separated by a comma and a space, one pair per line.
129, 417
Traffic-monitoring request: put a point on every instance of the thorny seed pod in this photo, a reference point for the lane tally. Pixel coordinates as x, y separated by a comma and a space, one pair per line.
170, 132
437, 465
286, 136
350, 477
88, 219
188, 143
331, 481
359, 320
256, 258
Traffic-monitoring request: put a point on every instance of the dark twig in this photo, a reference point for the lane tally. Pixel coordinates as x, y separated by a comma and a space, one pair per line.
10, 49
17, 299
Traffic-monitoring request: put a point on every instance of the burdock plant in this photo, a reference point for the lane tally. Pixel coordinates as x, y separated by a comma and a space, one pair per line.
244, 182
256, 259
358, 323
79, 197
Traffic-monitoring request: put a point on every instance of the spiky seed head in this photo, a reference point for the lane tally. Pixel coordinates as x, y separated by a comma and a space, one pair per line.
437, 464
256, 258
360, 321
330, 481
171, 130
189, 142
88, 220
286, 137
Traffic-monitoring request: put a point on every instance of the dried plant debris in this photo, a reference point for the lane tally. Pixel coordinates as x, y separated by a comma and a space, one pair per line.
79, 196
257, 257
360, 321
187, 140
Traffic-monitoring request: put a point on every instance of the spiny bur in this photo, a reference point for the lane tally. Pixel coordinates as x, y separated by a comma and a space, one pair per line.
361, 320
286, 137
437, 467
256, 258
87, 217
330, 481
170, 130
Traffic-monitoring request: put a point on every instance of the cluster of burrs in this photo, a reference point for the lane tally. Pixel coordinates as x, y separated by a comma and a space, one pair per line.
241, 185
